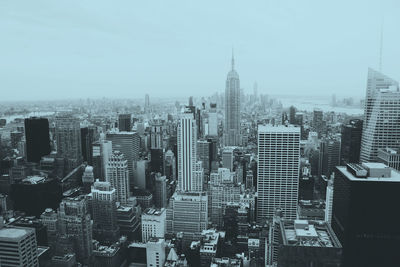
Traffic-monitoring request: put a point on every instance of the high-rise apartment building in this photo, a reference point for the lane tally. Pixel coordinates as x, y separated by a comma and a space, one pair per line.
160, 191
37, 138
128, 143
118, 176
232, 108
351, 141
190, 173
104, 208
277, 171
18, 247
381, 116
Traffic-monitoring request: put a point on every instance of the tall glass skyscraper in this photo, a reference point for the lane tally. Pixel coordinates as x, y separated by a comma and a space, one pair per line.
381, 116
232, 108
37, 138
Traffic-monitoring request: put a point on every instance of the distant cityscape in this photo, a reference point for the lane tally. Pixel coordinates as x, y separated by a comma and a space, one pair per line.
231, 179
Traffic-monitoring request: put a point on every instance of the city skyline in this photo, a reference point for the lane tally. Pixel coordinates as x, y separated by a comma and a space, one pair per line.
118, 52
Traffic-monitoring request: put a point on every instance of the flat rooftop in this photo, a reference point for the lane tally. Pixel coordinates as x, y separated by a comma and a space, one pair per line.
269, 128
308, 233
394, 175
14, 233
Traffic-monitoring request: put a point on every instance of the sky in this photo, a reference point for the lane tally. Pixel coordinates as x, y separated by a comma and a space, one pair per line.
125, 49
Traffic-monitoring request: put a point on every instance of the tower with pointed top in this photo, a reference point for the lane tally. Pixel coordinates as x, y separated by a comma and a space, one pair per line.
232, 108
381, 127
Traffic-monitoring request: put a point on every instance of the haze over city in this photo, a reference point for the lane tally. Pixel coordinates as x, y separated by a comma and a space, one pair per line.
80, 49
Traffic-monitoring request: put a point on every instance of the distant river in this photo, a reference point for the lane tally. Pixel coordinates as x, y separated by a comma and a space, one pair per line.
27, 115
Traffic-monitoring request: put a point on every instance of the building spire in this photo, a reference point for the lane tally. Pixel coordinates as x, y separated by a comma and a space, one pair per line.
233, 60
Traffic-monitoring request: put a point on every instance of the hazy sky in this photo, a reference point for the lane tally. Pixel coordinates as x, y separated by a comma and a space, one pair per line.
77, 49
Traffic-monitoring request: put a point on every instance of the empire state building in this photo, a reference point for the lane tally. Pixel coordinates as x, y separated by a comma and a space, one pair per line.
232, 108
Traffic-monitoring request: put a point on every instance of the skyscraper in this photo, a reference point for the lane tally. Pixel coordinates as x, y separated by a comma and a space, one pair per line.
104, 198
189, 180
365, 217
381, 116
232, 108
146, 103
156, 136
76, 226
68, 138
87, 138
213, 120
101, 152
37, 138
18, 247
351, 142
117, 175
278, 171
128, 143
124, 122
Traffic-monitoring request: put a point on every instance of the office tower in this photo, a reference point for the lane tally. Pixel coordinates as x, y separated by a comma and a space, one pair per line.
292, 115
190, 177
351, 141
141, 171
227, 158
147, 103
128, 220
153, 223
37, 138
390, 157
101, 152
329, 155
188, 213
88, 179
76, 226
278, 171
18, 246
124, 122
222, 190
293, 243
365, 200
318, 121
68, 139
87, 138
213, 120
104, 208
203, 153
170, 165
329, 202
128, 143
160, 191
15, 138
155, 252
49, 218
34, 194
156, 136
157, 160
118, 176
381, 116
232, 108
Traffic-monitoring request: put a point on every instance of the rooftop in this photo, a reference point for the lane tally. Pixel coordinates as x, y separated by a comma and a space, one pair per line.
375, 172
14, 233
34, 179
269, 128
308, 233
